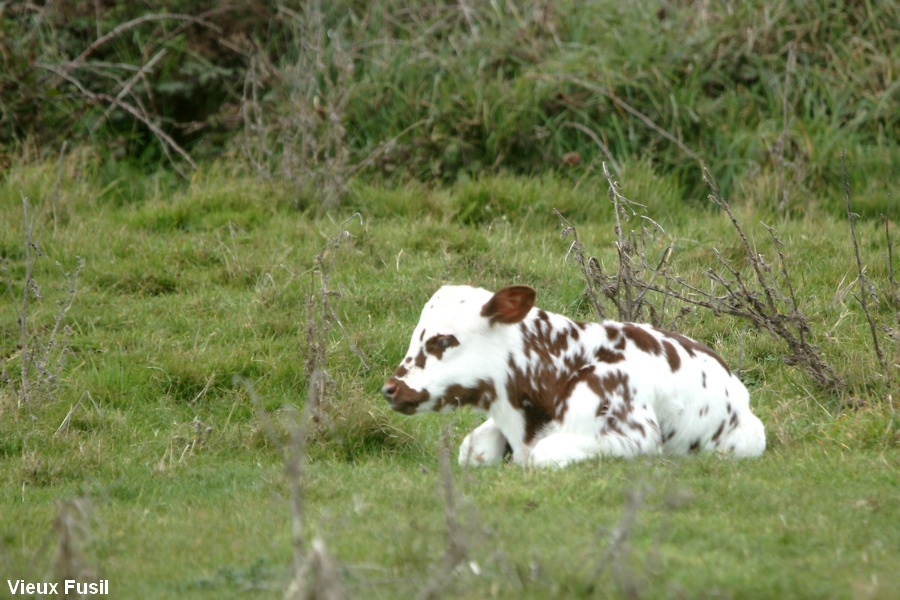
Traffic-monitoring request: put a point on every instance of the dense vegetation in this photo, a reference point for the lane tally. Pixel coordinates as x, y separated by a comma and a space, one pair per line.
440, 90
194, 193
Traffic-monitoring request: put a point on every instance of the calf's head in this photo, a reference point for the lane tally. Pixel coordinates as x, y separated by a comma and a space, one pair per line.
460, 347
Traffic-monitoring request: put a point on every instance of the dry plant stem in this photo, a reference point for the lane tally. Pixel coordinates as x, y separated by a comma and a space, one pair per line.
626, 288
64, 426
743, 301
72, 530
457, 543
895, 287
118, 30
294, 466
802, 330
621, 207
752, 255
321, 314
865, 286
785, 122
128, 85
25, 390
667, 254
314, 575
615, 554
577, 248
596, 139
320, 85
307, 145
136, 108
760, 303
627, 108
52, 346
54, 199
166, 140
258, 408
254, 132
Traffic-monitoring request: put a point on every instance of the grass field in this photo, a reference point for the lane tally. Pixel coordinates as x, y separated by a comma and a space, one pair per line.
165, 481
200, 213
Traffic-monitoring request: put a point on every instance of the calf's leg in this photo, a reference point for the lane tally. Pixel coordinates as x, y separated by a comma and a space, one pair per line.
486, 445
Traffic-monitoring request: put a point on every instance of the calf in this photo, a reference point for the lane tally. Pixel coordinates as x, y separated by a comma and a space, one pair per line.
559, 391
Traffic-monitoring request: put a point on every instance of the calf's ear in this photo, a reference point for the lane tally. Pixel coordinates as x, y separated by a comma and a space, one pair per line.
510, 304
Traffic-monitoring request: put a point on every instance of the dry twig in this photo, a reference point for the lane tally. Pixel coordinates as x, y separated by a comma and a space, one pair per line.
618, 101
627, 288
759, 300
321, 315
314, 574
457, 539
866, 289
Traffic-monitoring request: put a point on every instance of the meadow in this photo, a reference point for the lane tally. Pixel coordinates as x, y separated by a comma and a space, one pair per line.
162, 324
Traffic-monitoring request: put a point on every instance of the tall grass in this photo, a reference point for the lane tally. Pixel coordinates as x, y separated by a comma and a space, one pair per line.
439, 91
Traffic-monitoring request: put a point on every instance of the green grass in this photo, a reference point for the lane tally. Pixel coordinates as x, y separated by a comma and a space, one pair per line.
189, 284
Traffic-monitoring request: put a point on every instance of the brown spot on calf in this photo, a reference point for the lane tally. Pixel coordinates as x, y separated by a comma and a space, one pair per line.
672, 356
642, 338
692, 347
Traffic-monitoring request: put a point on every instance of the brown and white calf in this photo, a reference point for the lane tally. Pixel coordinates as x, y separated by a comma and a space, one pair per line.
558, 391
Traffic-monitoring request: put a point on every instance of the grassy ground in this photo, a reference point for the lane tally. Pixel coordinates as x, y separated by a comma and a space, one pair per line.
180, 490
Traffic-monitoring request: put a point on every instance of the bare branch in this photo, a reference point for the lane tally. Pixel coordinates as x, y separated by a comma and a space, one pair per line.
120, 29
596, 139
577, 248
457, 540
627, 108
166, 139
866, 289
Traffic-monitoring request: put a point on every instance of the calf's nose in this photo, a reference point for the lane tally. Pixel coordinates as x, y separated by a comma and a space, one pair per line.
389, 389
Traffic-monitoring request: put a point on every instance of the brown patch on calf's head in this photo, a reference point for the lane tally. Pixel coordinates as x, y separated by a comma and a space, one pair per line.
404, 399
420, 359
509, 305
401, 372
643, 339
482, 394
437, 344
672, 356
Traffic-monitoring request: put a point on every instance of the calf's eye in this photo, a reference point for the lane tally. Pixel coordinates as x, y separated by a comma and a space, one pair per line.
439, 343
